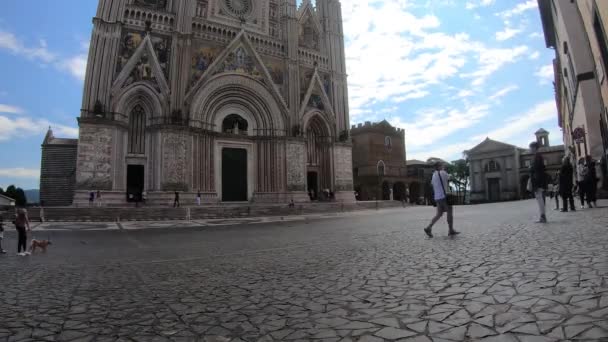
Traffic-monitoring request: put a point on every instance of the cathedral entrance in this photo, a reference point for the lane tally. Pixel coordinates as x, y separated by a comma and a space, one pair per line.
313, 185
234, 175
135, 182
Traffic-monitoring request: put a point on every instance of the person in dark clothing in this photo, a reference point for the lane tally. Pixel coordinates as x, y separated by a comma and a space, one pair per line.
176, 200
22, 223
566, 176
538, 178
591, 182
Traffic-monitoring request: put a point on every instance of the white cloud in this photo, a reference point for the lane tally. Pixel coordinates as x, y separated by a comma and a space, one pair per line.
22, 126
465, 93
431, 125
483, 3
10, 109
20, 172
534, 55
524, 123
545, 74
75, 65
10, 42
393, 55
520, 8
492, 60
503, 92
518, 131
507, 33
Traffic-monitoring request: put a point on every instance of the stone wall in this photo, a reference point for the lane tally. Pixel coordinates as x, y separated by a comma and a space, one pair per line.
58, 174
343, 168
296, 166
175, 150
94, 165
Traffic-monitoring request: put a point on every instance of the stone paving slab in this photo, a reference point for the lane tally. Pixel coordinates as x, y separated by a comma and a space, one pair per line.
354, 278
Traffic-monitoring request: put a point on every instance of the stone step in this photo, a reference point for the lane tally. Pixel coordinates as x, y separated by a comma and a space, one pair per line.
104, 214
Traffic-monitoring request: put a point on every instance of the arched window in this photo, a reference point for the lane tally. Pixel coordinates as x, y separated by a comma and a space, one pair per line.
137, 130
235, 124
381, 168
492, 166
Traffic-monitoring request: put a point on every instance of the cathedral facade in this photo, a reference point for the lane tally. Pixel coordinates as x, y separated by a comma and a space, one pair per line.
239, 100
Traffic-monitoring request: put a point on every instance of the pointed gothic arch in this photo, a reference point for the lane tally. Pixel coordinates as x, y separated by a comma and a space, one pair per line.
318, 150
142, 94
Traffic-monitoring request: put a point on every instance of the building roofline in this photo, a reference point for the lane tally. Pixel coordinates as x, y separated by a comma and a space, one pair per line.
546, 17
8, 198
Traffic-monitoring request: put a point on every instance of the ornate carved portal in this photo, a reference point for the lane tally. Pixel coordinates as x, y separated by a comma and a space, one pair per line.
318, 148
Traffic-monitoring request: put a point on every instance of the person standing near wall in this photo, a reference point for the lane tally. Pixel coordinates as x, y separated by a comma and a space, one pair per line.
591, 182
566, 176
581, 173
538, 178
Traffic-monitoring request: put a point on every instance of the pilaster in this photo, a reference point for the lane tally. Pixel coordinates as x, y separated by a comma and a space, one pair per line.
181, 54
290, 37
103, 54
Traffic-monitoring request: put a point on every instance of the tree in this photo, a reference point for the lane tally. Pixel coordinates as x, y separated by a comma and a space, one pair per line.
17, 194
459, 170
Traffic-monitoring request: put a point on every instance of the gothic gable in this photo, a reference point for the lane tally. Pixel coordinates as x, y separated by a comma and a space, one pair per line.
143, 66
239, 57
316, 97
310, 29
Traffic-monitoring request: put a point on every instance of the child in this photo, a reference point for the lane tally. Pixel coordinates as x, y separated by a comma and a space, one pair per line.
2, 251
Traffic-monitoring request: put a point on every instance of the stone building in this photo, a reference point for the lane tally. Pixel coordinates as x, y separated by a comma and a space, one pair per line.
242, 100
379, 168
6, 202
500, 171
576, 30
419, 176
57, 170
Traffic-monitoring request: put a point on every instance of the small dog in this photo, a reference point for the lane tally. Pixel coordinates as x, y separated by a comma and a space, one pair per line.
42, 244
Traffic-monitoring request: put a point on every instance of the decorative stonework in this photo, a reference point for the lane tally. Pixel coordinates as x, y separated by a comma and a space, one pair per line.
175, 148
343, 163
189, 67
296, 166
94, 166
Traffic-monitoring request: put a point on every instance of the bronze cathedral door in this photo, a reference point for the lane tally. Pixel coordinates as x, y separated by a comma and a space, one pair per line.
234, 175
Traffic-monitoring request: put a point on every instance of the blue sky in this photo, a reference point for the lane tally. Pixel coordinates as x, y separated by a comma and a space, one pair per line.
450, 72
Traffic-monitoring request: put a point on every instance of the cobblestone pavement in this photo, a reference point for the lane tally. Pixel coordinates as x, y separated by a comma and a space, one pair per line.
367, 277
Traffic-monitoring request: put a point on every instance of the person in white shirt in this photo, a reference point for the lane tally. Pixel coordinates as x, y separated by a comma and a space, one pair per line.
440, 190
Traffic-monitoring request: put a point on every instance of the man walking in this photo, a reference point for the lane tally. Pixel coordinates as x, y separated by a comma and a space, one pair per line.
439, 182
176, 200
538, 178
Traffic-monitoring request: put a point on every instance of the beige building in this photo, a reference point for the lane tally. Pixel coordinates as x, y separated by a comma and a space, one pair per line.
242, 100
577, 32
500, 171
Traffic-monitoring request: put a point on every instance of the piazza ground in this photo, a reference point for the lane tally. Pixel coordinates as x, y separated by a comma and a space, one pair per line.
368, 276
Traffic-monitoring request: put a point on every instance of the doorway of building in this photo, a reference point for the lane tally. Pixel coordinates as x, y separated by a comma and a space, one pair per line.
494, 189
135, 182
313, 185
386, 191
234, 175
399, 192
